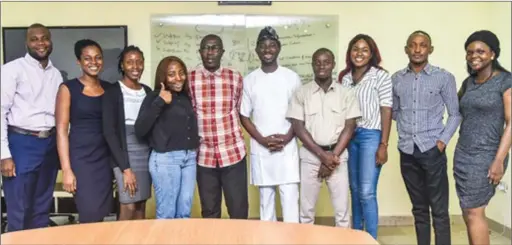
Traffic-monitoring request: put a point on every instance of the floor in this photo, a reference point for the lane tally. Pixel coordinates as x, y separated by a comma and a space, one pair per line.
406, 235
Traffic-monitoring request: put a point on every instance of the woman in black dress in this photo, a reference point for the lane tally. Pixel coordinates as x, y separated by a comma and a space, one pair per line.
83, 152
130, 154
481, 154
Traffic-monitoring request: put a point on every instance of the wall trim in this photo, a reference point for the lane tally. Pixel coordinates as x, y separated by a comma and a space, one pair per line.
499, 228
494, 226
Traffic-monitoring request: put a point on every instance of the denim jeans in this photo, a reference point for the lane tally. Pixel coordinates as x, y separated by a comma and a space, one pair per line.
174, 178
363, 174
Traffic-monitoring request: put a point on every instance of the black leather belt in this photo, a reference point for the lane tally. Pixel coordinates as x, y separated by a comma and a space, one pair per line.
39, 134
328, 147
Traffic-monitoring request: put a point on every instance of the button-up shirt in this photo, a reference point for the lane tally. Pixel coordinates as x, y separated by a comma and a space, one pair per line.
323, 113
216, 98
28, 97
419, 101
373, 91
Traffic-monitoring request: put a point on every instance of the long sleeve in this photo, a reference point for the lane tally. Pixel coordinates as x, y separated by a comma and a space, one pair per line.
111, 128
148, 114
246, 104
451, 100
396, 101
8, 89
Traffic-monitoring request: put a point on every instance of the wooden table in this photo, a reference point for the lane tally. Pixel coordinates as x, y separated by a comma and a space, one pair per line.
189, 231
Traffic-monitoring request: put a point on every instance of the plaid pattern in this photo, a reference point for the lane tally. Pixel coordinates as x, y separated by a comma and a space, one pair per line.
216, 98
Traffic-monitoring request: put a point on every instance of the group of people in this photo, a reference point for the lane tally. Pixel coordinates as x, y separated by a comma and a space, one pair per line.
188, 129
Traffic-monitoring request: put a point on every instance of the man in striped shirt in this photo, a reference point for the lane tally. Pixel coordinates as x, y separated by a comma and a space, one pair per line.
216, 97
420, 94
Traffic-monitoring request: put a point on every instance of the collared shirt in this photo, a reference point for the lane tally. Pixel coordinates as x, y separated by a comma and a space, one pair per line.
419, 102
373, 91
265, 100
324, 113
28, 97
216, 99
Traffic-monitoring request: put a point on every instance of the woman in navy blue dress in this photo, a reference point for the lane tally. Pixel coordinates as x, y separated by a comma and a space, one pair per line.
83, 152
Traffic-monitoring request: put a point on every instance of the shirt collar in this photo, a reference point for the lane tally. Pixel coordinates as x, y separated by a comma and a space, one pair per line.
35, 62
348, 76
216, 73
317, 88
427, 69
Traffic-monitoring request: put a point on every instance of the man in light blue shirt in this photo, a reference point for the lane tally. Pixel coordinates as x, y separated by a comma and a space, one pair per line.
29, 161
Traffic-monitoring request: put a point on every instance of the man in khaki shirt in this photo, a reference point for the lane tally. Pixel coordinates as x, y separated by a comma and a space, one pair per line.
323, 116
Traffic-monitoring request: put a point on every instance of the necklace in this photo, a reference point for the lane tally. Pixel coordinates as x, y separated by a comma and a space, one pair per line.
478, 85
487, 79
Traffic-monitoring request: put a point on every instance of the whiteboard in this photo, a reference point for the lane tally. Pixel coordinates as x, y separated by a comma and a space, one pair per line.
300, 36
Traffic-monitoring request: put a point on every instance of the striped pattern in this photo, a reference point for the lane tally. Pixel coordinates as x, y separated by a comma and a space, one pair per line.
373, 92
216, 98
419, 102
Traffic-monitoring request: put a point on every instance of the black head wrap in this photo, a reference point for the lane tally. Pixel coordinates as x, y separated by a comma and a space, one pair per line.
486, 37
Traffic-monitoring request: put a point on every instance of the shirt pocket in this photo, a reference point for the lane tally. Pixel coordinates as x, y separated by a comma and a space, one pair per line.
312, 113
430, 96
24, 86
338, 114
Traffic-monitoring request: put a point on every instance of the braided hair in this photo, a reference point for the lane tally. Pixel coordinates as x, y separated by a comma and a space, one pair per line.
125, 51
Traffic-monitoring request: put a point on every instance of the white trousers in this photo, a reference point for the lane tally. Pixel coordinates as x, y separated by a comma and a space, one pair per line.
289, 194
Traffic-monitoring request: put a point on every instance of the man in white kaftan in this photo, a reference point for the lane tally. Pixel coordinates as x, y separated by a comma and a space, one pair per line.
274, 156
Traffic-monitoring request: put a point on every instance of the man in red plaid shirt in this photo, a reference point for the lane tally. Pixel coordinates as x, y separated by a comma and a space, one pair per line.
216, 96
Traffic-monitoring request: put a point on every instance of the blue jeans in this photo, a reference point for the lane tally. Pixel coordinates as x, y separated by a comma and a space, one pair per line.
363, 173
174, 178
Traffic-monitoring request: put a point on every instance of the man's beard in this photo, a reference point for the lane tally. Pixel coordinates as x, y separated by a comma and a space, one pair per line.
34, 54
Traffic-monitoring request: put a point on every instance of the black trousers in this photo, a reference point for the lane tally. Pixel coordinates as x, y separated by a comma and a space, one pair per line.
211, 182
426, 181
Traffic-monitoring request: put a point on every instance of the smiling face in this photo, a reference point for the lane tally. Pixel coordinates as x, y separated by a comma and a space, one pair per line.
133, 65
176, 76
418, 49
211, 52
39, 43
268, 51
323, 64
91, 60
360, 54
479, 56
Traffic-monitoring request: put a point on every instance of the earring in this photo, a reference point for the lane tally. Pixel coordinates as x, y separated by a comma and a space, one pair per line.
492, 58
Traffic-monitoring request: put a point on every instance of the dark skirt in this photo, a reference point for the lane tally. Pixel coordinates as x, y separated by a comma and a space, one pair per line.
470, 170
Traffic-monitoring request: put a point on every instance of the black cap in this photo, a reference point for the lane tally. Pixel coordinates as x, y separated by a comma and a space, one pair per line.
268, 33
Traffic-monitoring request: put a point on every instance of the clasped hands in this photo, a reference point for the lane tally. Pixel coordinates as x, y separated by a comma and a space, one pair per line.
329, 162
275, 142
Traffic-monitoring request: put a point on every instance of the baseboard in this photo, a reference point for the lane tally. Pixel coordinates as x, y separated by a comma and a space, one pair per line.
494, 227
390, 220
499, 228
